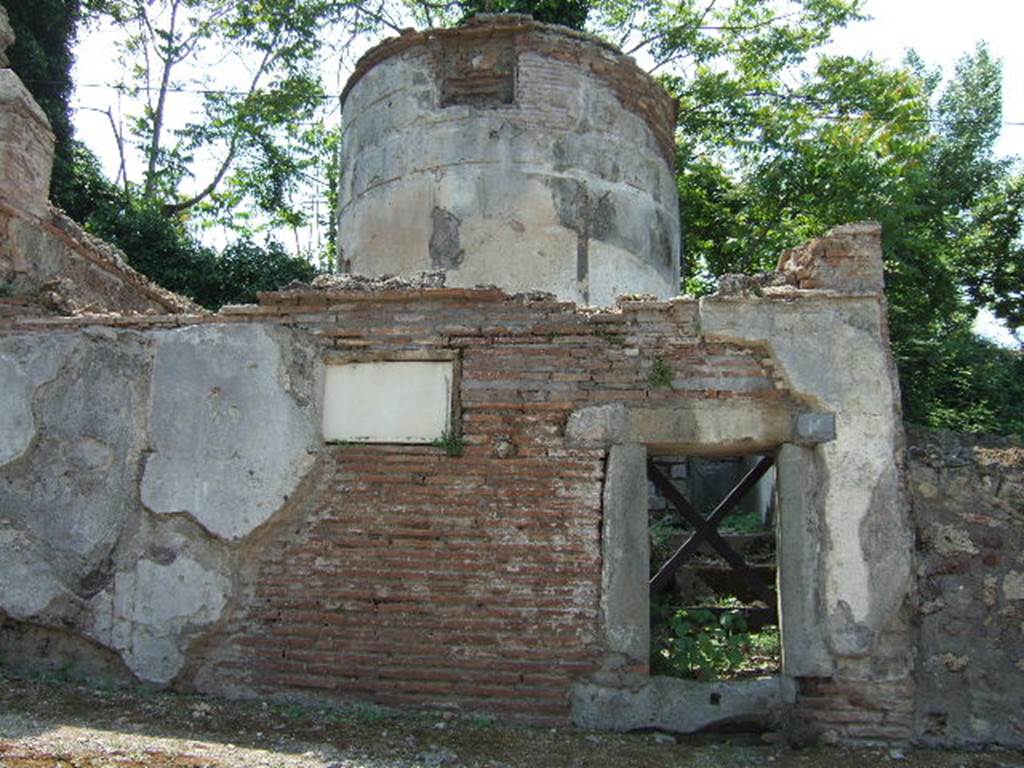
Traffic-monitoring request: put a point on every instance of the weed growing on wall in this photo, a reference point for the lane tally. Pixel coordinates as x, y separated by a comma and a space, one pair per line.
451, 441
660, 374
613, 339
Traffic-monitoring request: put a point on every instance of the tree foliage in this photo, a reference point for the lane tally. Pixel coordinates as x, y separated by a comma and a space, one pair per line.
159, 245
248, 143
568, 13
857, 140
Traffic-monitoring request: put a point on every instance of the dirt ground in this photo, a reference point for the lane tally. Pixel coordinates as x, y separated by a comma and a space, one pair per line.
48, 722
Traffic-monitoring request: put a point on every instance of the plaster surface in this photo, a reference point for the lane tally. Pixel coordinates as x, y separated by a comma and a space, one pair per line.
75, 486
833, 352
230, 439
149, 612
552, 186
25, 365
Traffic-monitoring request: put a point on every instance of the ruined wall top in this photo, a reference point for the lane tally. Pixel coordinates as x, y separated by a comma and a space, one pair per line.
637, 90
847, 258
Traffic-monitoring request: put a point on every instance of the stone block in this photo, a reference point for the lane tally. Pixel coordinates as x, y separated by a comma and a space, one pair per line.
679, 706
625, 559
805, 652
26, 148
814, 428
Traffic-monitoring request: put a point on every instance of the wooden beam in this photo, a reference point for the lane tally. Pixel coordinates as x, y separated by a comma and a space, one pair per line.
706, 529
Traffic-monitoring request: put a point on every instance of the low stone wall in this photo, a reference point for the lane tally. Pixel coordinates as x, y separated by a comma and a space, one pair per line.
968, 495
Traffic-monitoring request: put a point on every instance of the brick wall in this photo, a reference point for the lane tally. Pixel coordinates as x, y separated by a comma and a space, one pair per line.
856, 712
408, 576
404, 575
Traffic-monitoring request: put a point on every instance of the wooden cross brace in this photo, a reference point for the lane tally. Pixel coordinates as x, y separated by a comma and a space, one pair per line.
707, 529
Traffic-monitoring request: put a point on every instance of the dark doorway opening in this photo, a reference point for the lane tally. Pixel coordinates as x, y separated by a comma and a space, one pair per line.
714, 606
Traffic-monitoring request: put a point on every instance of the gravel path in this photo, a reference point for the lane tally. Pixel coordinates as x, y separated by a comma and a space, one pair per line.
53, 723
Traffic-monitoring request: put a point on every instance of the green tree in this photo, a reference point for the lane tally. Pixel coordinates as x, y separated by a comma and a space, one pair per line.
160, 246
245, 147
859, 140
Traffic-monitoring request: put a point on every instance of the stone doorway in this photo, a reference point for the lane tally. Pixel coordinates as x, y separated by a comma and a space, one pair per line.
626, 694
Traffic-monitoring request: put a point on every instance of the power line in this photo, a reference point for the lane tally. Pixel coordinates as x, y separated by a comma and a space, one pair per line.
704, 111
169, 89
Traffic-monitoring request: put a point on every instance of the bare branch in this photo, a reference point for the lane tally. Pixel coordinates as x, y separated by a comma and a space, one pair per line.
122, 173
172, 208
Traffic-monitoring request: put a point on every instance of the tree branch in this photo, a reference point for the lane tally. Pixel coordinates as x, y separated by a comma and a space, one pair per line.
178, 207
158, 115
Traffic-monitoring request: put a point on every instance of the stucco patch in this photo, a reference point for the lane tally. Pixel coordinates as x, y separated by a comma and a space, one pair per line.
27, 581
25, 365
149, 614
229, 442
76, 487
1013, 585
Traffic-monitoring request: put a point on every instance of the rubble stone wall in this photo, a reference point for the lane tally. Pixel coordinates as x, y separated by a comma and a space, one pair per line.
968, 495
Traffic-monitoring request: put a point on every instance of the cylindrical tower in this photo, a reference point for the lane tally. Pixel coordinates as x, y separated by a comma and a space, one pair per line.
510, 153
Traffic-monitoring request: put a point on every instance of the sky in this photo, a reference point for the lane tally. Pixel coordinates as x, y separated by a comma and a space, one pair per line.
942, 31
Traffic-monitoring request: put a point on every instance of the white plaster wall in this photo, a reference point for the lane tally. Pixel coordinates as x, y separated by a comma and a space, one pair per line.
229, 440
833, 351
